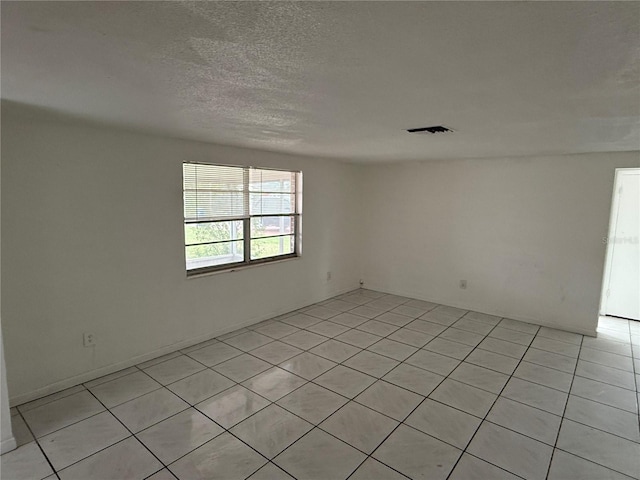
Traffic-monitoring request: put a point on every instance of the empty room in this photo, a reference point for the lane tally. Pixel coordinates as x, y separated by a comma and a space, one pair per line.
320, 240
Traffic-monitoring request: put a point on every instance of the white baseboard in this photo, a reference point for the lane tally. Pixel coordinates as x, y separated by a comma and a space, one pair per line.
7, 445
115, 367
484, 309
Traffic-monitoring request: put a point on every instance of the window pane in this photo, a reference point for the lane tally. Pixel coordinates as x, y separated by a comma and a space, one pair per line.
269, 226
271, 203
209, 205
212, 232
200, 256
271, 246
271, 180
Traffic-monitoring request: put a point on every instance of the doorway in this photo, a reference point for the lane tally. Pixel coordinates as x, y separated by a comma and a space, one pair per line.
621, 284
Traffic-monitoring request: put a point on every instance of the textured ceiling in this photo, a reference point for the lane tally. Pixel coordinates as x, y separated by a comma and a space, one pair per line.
338, 79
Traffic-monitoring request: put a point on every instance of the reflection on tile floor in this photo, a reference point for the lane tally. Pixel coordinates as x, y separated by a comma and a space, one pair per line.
365, 385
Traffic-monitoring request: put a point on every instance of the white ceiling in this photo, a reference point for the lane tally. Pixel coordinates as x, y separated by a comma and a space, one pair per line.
339, 79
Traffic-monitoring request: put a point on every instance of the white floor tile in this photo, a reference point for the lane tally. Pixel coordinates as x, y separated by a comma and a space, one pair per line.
472, 468
312, 402
345, 381
532, 422
480, 377
359, 426
232, 406
319, 456
392, 349
248, 341
335, 350
25, 463
515, 453
50, 398
200, 386
565, 466
126, 459
446, 423
548, 377
411, 337
509, 349
274, 384
534, 395
509, 335
174, 369
413, 379
450, 349
178, 435
271, 430
492, 361
602, 373
304, 339
148, 409
270, 472
417, 455
372, 469
60, 413
223, 458
215, 354
276, 352
517, 325
124, 388
82, 439
307, 365
381, 329
605, 393
551, 360
609, 419
434, 362
393, 401
371, 363
328, 329
464, 397
599, 447
242, 367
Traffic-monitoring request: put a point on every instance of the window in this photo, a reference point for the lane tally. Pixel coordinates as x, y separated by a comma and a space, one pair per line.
237, 216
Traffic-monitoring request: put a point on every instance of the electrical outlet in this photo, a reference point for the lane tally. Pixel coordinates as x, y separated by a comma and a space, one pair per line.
463, 284
88, 339
328, 276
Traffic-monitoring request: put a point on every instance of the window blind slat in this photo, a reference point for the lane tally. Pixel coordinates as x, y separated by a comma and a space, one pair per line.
221, 201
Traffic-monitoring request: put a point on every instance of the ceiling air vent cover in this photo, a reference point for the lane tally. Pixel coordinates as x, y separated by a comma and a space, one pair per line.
434, 129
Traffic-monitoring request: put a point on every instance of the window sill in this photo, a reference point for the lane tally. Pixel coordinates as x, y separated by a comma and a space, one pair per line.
241, 267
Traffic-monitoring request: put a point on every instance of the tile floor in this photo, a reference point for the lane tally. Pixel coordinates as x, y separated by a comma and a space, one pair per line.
363, 386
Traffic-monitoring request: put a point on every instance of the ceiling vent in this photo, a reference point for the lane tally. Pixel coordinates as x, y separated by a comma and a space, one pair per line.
432, 130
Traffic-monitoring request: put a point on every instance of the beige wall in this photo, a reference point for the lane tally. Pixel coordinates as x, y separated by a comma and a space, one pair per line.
526, 234
92, 241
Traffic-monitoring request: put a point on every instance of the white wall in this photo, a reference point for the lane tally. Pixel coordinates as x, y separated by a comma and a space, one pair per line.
526, 233
7, 440
92, 241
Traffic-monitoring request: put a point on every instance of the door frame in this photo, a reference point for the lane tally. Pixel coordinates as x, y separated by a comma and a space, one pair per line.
613, 223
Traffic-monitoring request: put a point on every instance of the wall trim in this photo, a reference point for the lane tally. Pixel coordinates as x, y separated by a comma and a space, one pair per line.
7, 445
115, 367
469, 306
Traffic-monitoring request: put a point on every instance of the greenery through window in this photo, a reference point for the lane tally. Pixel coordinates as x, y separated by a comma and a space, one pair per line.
239, 215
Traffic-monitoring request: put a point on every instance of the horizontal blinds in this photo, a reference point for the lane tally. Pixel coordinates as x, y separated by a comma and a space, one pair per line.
219, 192
214, 192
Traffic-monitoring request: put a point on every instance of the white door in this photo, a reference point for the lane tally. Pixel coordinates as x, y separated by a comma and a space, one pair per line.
622, 297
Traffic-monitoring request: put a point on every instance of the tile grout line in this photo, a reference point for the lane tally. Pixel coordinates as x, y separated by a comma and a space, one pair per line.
464, 450
360, 350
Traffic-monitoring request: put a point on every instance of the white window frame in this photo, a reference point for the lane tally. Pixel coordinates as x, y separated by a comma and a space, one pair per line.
296, 217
